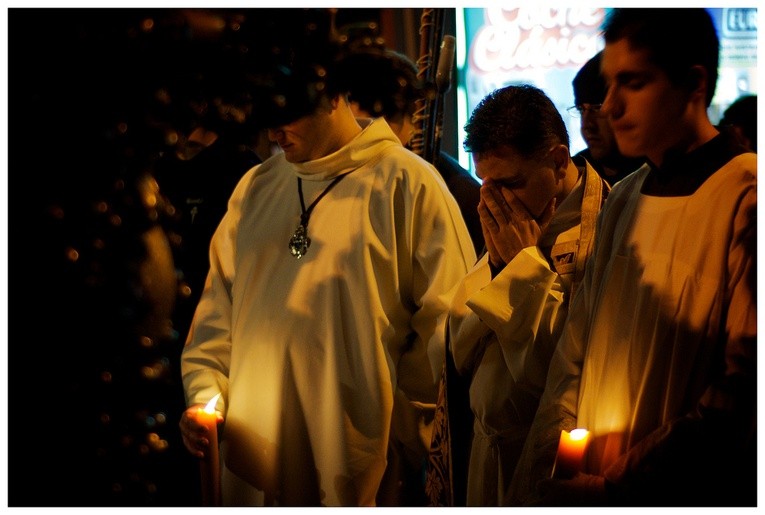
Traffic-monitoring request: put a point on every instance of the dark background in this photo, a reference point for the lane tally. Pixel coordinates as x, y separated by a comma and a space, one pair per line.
95, 95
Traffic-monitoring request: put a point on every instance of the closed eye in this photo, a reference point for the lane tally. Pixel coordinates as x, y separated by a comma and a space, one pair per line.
511, 184
633, 81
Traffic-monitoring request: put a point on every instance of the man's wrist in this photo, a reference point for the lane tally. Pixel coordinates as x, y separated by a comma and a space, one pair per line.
495, 270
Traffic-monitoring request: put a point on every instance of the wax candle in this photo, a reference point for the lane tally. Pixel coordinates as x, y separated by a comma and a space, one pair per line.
570, 456
210, 464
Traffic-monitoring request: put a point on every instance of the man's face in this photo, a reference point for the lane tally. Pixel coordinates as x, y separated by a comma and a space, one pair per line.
532, 181
306, 138
646, 111
597, 134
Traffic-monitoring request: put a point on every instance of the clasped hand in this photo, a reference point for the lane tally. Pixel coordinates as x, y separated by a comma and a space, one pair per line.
580, 490
195, 435
507, 226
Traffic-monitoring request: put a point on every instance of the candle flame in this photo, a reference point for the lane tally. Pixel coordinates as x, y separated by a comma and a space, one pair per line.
579, 434
210, 407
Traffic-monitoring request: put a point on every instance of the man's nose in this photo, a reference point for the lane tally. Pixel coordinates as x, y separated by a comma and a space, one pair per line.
590, 118
609, 108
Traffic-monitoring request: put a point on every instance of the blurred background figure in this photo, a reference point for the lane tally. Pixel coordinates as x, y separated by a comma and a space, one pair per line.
383, 82
94, 430
601, 152
201, 104
93, 386
741, 118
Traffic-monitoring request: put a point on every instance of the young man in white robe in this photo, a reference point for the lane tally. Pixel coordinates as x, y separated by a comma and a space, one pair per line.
310, 326
538, 210
658, 356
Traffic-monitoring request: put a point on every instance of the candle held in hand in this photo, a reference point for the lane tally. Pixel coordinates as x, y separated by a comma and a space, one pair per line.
570, 457
210, 464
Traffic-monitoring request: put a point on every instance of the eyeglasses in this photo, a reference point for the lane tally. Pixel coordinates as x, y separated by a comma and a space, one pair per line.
581, 109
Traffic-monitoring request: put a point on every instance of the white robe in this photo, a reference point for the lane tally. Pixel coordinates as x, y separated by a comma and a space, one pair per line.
663, 325
309, 353
502, 335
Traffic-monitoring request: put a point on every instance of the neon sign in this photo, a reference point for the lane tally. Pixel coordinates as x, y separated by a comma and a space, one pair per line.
531, 37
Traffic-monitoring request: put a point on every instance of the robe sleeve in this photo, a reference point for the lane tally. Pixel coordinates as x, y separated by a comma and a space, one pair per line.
524, 307
206, 356
466, 329
558, 405
442, 253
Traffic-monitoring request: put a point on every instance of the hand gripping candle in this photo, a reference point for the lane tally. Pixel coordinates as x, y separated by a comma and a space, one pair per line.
570, 456
210, 464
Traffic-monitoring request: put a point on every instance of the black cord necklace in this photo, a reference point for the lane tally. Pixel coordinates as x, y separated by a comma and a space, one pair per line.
300, 241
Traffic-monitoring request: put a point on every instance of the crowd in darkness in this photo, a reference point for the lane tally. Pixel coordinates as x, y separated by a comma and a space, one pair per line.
128, 130
100, 99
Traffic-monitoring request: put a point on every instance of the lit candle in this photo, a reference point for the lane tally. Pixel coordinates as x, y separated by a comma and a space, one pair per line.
210, 466
570, 456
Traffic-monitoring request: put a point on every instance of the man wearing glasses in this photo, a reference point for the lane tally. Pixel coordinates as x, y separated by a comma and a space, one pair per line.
601, 152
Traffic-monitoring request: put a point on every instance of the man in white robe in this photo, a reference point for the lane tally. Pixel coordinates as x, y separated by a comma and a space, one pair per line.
310, 337
658, 356
538, 211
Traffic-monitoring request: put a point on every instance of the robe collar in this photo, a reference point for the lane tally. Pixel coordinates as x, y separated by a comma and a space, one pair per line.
683, 174
376, 136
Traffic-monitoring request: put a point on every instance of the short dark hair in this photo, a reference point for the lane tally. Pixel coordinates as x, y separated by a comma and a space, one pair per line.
294, 65
675, 38
519, 116
743, 113
589, 85
383, 82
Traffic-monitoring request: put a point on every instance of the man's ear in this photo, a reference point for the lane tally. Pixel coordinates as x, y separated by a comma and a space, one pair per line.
560, 156
331, 103
697, 80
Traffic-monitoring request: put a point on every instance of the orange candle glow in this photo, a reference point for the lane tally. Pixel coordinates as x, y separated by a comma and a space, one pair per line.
570, 457
210, 464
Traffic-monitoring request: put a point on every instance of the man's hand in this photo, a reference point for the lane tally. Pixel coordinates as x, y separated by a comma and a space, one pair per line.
194, 434
581, 490
507, 225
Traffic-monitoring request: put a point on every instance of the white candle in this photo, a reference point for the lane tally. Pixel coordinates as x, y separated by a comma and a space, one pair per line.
210, 464
570, 456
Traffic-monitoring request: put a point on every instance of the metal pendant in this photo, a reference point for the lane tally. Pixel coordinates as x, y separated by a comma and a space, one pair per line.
299, 242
